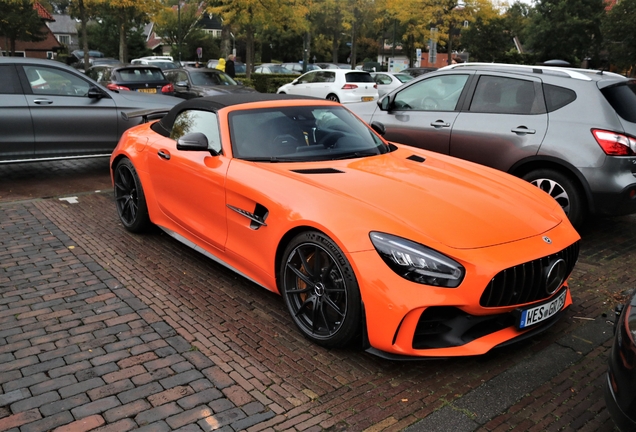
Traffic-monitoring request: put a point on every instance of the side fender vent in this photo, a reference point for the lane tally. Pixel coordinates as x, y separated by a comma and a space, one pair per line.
318, 171
416, 158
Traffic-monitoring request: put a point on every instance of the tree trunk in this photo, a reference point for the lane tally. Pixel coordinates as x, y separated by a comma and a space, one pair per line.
334, 46
83, 19
122, 41
249, 52
226, 44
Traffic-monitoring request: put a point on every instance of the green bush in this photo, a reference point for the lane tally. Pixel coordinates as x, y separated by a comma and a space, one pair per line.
265, 83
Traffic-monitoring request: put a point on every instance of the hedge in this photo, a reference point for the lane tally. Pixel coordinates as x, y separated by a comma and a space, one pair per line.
265, 83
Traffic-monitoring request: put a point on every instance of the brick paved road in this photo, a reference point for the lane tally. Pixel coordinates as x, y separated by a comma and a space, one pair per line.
108, 331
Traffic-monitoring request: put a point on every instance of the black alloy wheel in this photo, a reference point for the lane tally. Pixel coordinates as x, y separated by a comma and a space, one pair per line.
320, 290
129, 198
333, 97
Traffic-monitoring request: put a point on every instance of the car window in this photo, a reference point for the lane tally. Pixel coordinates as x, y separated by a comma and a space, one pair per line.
301, 134
308, 78
503, 95
141, 75
325, 77
440, 93
49, 81
358, 77
9, 84
382, 79
622, 97
205, 122
557, 97
403, 77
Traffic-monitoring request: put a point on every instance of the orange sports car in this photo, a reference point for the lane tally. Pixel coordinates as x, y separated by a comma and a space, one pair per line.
414, 253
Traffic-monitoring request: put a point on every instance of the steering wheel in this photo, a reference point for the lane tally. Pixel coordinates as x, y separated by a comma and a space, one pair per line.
284, 140
330, 140
430, 104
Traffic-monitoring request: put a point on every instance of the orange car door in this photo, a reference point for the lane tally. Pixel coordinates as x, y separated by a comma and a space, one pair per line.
190, 185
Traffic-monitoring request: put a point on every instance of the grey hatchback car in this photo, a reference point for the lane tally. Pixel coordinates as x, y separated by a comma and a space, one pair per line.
571, 132
50, 111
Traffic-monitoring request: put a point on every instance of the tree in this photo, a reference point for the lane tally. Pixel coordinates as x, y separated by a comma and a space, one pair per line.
175, 24
566, 29
128, 14
251, 16
620, 38
19, 21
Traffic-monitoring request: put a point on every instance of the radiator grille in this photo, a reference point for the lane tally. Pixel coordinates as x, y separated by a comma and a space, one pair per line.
526, 282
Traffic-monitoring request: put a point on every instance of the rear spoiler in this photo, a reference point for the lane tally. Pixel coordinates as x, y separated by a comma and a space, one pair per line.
146, 114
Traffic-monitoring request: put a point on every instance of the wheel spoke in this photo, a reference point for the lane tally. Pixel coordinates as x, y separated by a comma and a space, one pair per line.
303, 261
324, 319
316, 262
334, 306
301, 275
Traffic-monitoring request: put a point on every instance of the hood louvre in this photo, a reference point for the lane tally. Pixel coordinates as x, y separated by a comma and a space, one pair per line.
318, 171
416, 158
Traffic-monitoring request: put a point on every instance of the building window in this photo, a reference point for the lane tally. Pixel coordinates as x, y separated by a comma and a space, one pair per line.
64, 39
50, 55
17, 53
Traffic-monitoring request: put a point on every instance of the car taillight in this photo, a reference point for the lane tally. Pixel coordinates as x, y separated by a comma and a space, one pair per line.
375, 86
615, 144
112, 86
349, 87
168, 88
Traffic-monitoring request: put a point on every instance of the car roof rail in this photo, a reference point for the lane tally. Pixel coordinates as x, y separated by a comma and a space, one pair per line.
575, 73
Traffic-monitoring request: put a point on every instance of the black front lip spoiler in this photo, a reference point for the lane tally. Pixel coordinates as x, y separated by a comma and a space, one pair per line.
530, 333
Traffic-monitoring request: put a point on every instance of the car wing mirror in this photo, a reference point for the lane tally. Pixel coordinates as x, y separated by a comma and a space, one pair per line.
385, 103
195, 141
95, 92
182, 84
378, 127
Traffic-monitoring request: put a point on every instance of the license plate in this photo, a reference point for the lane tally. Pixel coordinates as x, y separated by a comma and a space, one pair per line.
148, 90
535, 315
367, 98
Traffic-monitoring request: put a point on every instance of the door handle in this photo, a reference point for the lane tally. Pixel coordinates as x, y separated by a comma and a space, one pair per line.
440, 124
43, 101
522, 130
164, 154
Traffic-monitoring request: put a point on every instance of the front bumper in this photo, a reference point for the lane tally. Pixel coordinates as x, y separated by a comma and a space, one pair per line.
406, 319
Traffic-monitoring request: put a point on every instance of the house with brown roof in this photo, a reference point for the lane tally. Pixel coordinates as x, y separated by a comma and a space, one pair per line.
42, 49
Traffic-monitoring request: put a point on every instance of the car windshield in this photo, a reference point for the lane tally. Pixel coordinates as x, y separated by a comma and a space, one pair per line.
211, 78
403, 77
298, 134
141, 74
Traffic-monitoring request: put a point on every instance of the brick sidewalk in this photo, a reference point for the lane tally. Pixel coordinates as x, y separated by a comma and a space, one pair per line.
104, 330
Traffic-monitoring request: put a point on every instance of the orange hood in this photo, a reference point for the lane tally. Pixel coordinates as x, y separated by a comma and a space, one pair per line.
456, 203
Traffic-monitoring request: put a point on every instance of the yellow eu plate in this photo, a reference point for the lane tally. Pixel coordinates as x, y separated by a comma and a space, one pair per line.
148, 90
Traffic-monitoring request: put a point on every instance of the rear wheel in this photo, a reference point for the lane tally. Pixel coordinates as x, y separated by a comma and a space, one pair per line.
333, 97
565, 191
320, 290
129, 198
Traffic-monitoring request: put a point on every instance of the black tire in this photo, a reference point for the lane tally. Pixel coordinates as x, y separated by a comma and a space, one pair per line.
320, 290
565, 191
129, 198
333, 97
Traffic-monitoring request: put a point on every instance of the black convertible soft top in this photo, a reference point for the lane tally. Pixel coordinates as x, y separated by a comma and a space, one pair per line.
214, 103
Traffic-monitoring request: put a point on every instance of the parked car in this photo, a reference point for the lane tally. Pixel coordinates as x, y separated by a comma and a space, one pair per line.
328, 66
272, 68
568, 131
196, 82
239, 67
418, 71
388, 81
620, 388
406, 252
162, 62
297, 68
334, 84
139, 78
95, 61
50, 111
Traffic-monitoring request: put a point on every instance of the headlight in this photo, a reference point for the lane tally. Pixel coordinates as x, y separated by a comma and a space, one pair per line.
416, 262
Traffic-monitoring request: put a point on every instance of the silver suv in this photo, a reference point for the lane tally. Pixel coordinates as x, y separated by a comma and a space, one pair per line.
571, 132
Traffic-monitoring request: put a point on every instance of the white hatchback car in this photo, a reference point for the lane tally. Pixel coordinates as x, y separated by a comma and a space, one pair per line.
388, 81
339, 85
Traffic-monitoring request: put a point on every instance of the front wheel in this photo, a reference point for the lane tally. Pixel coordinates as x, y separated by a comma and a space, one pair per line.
563, 190
129, 198
320, 290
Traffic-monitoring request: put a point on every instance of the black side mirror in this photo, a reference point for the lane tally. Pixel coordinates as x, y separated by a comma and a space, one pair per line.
195, 141
95, 93
385, 103
378, 127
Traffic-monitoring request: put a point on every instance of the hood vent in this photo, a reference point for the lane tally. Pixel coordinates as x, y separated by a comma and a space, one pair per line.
416, 158
318, 171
